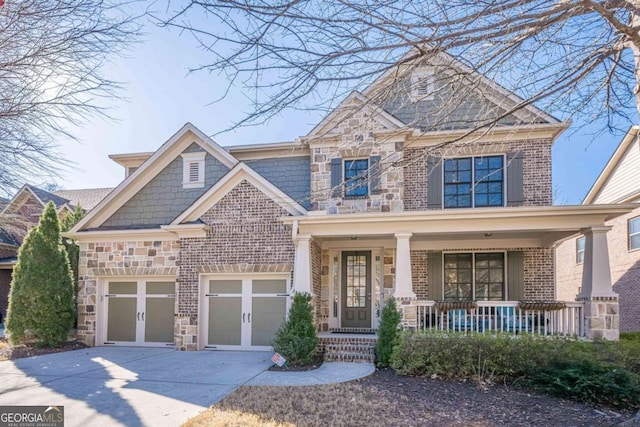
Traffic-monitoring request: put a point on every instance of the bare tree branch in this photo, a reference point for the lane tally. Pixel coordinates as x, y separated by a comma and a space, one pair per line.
51, 58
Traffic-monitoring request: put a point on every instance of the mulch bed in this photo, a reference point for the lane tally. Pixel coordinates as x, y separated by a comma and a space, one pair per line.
9, 352
425, 401
385, 399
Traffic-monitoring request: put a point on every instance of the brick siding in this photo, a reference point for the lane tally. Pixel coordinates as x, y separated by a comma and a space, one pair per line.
536, 169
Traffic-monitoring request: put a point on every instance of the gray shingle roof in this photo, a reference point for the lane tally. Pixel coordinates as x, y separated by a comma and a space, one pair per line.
87, 198
47, 197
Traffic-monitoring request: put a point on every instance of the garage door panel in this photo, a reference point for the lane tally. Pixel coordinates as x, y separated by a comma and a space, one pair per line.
269, 286
121, 324
267, 315
159, 320
225, 286
225, 326
123, 288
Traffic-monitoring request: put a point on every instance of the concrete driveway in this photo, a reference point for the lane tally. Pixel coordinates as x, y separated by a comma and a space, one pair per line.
109, 386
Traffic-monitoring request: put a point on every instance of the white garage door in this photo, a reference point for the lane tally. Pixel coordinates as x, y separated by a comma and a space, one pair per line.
243, 313
138, 312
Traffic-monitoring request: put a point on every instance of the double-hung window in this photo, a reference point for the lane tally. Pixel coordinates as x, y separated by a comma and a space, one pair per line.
474, 182
474, 276
580, 250
634, 233
356, 178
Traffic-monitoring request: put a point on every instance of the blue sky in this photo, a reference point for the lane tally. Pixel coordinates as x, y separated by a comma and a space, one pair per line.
161, 96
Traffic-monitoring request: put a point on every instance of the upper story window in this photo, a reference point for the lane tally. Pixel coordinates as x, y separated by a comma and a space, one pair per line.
356, 178
193, 169
422, 84
474, 182
580, 250
474, 276
634, 233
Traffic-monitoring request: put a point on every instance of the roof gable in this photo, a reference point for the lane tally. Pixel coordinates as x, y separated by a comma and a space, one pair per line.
352, 104
619, 181
169, 151
36, 194
241, 172
478, 84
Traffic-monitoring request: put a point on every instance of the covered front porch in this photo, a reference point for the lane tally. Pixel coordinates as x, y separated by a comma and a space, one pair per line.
482, 270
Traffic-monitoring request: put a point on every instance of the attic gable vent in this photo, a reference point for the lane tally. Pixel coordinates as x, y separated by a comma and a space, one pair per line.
193, 169
422, 84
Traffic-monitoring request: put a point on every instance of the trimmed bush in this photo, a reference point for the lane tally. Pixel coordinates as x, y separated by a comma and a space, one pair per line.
599, 372
41, 301
296, 339
387, 333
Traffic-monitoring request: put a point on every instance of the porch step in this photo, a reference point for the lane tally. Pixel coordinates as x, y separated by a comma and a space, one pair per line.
353, 330
348, 348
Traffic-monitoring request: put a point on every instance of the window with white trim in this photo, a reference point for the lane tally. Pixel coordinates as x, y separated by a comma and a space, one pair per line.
193, 169
580, 250
474, 276
423, 84
634, 233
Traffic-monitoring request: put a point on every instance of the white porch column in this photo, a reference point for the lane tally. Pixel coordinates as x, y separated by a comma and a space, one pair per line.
601, 307
404, 281
302, 264
596, 272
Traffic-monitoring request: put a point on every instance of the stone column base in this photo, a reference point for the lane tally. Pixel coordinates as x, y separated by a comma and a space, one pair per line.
409, 312
186, 333
602, 318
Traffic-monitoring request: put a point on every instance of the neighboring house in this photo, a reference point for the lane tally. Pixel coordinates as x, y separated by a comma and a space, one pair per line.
21, 213
619, 182
200, 246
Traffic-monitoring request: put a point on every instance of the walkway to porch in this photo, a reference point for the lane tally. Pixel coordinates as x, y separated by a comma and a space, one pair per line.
540, 318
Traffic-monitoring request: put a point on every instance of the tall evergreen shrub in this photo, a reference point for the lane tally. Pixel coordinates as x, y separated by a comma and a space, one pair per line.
41, 301
296, 339
387, 332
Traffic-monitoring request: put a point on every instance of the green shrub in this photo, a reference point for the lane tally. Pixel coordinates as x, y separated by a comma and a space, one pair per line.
630, 336
589, 381
296, 339
387, 332
601, 372
41, 301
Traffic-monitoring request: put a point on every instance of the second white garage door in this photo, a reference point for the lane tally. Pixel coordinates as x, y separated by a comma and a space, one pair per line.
243, 312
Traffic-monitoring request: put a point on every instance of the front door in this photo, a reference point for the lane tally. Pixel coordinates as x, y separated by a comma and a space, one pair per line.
356, 289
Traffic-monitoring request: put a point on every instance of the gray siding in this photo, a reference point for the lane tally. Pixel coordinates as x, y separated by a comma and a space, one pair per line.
453, 106
163, 199
290, 174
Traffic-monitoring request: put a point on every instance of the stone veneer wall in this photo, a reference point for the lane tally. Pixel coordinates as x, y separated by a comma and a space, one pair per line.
536, 169
246, 236
116, 259
354, 139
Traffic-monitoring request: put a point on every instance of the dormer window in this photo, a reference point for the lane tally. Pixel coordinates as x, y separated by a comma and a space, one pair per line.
422, 84
193, 169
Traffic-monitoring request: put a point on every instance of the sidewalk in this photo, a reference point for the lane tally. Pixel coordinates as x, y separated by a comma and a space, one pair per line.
327, 373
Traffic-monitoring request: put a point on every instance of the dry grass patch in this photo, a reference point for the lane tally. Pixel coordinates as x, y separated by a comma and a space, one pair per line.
230, 418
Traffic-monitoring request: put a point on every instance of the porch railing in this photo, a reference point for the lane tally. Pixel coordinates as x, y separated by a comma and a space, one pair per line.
500, 316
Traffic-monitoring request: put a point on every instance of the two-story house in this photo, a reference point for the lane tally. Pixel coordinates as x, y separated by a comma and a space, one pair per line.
619, 182
200, 247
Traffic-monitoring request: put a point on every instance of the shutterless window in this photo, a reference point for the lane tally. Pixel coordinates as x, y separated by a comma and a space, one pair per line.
474, 182
477, 276
580, 250
634, 233
355, 178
